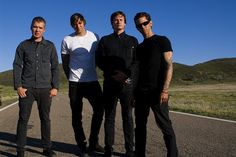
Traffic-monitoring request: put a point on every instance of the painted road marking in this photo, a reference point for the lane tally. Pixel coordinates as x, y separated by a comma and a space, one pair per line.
187, 114
206, 117
4, 108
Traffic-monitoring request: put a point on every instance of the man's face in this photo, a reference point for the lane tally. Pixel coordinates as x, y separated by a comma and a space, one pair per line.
118, 23
143, 25
38, 29
79, 26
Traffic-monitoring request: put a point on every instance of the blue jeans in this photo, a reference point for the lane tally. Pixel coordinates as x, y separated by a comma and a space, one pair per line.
113, 92
42, 97
92, 91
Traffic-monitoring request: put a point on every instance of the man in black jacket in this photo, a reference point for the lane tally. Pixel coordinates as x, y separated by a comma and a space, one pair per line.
116, 58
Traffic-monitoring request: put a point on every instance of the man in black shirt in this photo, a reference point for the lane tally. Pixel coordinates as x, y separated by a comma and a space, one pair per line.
116, 58
154, 56
36, 77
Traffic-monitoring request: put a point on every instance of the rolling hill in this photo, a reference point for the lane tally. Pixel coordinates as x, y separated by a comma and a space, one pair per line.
215, 71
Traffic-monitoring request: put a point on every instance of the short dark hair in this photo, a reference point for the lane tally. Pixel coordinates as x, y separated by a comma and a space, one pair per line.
142, 14
75, 17
37, 19
113, 15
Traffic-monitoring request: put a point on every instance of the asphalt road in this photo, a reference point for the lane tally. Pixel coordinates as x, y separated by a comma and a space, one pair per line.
196, 137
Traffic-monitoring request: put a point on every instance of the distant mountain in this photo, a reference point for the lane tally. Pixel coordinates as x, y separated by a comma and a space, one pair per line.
6, 77
215, 71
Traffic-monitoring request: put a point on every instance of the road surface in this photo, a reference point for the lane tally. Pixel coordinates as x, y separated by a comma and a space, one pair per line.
196, 137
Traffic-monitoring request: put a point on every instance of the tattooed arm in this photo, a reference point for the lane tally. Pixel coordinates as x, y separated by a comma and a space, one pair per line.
168, 75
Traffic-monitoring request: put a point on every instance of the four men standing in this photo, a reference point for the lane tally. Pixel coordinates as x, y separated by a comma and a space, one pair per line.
135, 75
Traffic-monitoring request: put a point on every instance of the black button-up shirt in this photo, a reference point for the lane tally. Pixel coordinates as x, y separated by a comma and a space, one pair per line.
36, 65
116, 52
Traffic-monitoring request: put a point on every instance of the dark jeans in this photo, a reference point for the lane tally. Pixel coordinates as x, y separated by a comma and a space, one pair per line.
41, 96
143, 102
92, 91
112, 93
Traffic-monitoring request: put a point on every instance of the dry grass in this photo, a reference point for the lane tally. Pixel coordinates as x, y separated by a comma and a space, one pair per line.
8, 95
218, 100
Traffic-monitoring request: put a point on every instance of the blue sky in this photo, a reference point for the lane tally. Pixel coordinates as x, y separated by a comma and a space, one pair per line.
200, 30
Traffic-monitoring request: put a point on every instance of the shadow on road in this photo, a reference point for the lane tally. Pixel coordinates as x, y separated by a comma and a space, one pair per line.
8, 140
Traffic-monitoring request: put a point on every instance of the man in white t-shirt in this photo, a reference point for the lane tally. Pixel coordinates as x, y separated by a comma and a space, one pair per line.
78, 59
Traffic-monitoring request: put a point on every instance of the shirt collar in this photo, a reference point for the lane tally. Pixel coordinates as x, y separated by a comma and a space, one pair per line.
120, 35
43, 41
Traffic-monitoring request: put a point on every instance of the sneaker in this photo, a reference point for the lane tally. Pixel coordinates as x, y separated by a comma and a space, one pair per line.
49, 153
20, 153
96, 148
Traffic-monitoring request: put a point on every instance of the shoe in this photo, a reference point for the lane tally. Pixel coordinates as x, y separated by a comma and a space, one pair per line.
83, 153
20, 153
108, 152
96, 148
130, 154
49, 153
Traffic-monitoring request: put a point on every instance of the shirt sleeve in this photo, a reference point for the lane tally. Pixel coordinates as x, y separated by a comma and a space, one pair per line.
100, 55
17, 67
64, 47
54, 68
166, 44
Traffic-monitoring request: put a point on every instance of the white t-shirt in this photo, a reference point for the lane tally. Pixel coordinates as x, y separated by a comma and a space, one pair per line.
82, 56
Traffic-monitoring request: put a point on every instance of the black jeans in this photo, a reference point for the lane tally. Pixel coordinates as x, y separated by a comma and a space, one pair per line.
41, 96
143, 102
92, 91
113, 92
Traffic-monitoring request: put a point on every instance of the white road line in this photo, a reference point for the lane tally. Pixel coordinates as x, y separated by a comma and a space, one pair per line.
199, 116
188, 114
4, 108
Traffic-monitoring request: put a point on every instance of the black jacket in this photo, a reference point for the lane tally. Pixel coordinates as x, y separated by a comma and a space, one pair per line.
36, 65
117, 53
